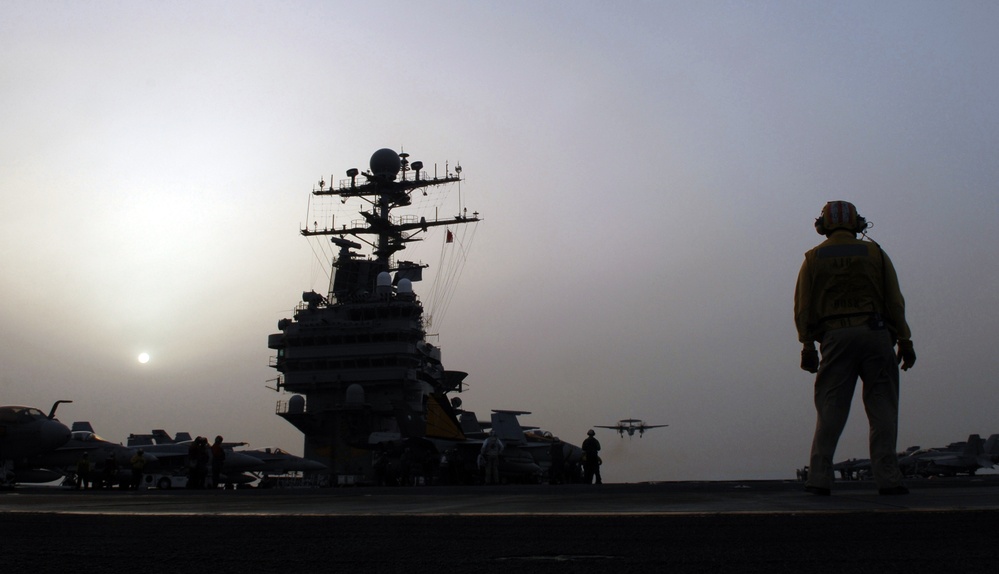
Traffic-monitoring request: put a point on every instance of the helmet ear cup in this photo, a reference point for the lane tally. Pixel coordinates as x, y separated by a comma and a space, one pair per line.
820, 227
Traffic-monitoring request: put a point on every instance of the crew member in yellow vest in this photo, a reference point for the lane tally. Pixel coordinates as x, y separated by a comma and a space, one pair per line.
848, 300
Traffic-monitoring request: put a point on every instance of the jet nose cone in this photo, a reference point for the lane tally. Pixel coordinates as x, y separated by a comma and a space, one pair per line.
53, 435
307, 465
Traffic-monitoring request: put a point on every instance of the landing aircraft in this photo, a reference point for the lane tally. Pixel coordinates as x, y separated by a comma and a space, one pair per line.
25, 432
630, 426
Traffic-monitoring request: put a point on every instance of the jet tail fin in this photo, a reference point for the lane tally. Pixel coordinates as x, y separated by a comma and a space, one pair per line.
139, 440
507, 427
161, 436
992, 445
470, 423
84, 426
973, 448
977, 452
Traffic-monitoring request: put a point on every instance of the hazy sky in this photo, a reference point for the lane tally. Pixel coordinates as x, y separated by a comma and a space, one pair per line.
648, 174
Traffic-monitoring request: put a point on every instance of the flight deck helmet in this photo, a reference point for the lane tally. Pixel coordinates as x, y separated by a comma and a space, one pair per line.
839, 215
590, 432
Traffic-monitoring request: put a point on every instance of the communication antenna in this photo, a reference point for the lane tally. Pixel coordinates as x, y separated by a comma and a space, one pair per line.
457, 169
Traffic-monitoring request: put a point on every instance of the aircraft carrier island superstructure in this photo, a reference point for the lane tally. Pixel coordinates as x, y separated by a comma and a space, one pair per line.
363, 375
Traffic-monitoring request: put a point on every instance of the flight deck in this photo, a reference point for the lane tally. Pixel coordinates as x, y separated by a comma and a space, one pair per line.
771, 497
747, 527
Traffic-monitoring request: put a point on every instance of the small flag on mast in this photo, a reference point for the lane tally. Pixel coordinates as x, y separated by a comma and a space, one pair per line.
450, 237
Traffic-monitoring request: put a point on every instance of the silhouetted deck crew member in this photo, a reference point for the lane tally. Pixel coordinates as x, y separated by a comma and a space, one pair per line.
218, 461
110, 472
557, 457
591, 458
491, 450
138, 463
848, 299
83, 472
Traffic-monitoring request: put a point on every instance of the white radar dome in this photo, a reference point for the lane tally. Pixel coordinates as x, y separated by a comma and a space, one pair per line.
355, 396
383, 284
385, 162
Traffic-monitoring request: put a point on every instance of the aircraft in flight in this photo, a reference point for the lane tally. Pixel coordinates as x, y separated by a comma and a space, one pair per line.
630, 426
25, 432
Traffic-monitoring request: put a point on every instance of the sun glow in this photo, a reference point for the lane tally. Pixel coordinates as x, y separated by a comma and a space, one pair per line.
143, 358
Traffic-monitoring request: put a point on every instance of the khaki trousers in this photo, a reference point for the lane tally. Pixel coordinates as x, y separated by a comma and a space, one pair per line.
847, 354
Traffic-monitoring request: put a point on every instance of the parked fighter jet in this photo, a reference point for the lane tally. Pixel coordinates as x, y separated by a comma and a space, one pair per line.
853, 469
526, 454
453, 459
281, 467
518, 460
278, 461
63, 460
160, 436
25, 432
172, 456
991, 448
956, 458
630, 426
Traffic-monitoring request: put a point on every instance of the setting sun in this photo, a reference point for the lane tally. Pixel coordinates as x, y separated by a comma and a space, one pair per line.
143, 358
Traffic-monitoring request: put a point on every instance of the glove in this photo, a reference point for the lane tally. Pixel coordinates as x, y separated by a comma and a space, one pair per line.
906, 356
810, 360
